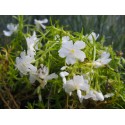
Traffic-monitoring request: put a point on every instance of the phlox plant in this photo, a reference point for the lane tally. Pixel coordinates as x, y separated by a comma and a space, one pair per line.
49, 67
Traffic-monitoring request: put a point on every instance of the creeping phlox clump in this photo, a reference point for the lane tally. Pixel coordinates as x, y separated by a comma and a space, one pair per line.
78, 63
73, 53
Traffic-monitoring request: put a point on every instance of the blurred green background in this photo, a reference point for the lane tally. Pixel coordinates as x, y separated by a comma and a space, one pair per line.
112, 27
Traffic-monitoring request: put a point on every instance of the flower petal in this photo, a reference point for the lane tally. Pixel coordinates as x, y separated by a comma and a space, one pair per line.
31, 53
64, 80
70, 60
105, 55
80, 55
68, 45
51, 76
79, 45
10, 26
64, 67
7, 33
78, 79
90, 94
84, 86
79, 93
109, 95
93, 35
69, 86
43, 26
80, 83
97, 64
106, 61
32, 78
44, 21
63, 74
17, 60
23, 54
99, 96
63, 52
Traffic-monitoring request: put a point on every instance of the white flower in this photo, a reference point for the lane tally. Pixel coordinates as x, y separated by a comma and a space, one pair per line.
103, 60
43, 71
99, 96
43, 74
33, 77
64, 67
95, 95
108, 95
71, 51
63, 75
77, 83
31, 53
32, 42
12, 28
40, 23
93, 36
23, 63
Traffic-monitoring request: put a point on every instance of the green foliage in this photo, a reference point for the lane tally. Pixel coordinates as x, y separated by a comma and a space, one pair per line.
18, 92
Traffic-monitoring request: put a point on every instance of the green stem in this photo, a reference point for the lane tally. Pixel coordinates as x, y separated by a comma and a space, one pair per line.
94, 53
67, 101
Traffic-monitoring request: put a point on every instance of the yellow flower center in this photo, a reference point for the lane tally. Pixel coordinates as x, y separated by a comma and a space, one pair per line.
72, 51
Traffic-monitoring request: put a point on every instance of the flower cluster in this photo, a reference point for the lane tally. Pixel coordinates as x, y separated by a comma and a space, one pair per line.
81, 64
24, 63
73, 53
81, 85
14, 27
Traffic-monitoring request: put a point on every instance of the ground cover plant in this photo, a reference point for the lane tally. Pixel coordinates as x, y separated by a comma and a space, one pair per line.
48, 66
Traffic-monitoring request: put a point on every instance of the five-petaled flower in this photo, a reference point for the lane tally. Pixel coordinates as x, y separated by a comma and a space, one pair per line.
92, 37
12, 28
32, 42
40, 23
77, 83
44, 76
23, 63
95, 95
103, 60
71, 51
